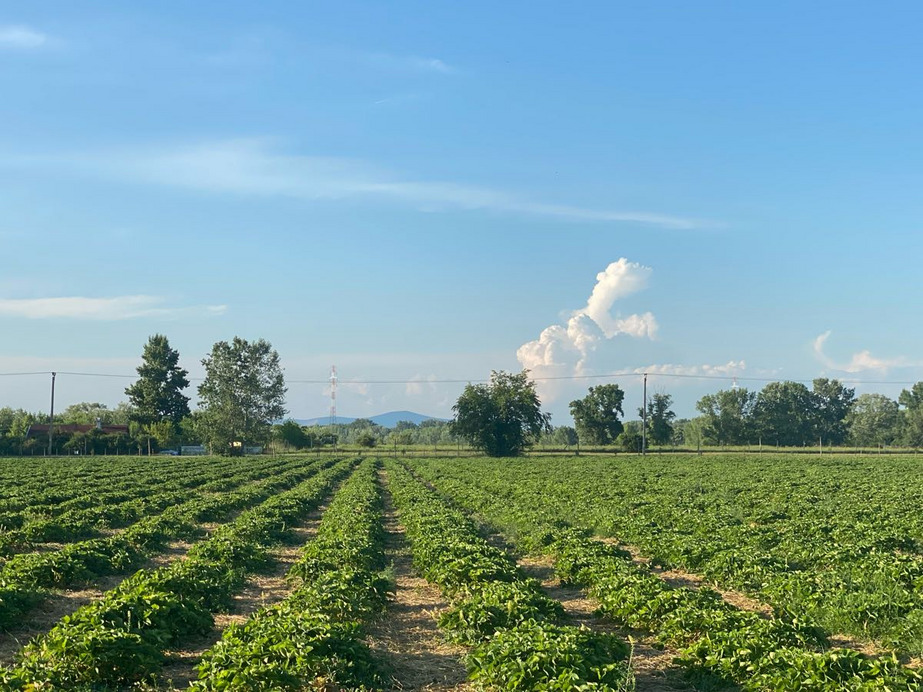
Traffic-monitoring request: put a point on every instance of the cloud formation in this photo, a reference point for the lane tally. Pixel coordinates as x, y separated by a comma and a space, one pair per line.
21, 37
730, 369
861, 361
252, 167
408, 63
562, 350
101, 309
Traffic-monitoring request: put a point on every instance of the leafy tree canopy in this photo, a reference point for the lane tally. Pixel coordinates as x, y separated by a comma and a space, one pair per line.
597, 414
501, 417
157, 394
242, 394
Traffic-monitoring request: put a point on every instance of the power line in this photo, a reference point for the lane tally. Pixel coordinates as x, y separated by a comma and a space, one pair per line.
611, 375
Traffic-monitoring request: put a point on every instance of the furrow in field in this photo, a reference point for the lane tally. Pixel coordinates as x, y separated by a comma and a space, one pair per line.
519, 637
60, 604
121, 638
711, 635
260, 591
407, 638
314, 638
25, 581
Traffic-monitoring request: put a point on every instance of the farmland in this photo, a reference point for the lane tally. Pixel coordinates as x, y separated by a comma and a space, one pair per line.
603, 573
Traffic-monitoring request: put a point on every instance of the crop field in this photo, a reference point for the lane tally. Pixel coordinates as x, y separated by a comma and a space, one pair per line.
592, 573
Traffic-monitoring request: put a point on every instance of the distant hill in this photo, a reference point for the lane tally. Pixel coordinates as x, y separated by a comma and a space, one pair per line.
385, 420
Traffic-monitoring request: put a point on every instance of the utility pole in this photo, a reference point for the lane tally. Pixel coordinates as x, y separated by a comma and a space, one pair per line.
51, 418
644, 420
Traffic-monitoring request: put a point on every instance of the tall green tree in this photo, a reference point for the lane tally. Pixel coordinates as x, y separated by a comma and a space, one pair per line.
502, 417
831, 403
912, 401
242, 394
783, 414
874, 420
157, 394
659, 419
727, 416
597, 414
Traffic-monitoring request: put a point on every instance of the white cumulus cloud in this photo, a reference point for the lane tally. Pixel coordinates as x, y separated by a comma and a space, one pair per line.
562, 350
861, 361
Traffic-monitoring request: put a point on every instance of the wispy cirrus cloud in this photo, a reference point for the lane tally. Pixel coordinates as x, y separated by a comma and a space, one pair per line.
861, 361
407, 63
253, 167
101, 309
21, 37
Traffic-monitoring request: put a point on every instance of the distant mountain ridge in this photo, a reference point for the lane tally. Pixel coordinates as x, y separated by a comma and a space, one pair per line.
385, 420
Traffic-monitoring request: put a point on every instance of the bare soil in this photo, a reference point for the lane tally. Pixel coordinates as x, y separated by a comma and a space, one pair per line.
260, 591
47, 614
407, 637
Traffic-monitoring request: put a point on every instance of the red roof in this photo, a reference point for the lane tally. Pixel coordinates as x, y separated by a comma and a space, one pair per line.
71, 428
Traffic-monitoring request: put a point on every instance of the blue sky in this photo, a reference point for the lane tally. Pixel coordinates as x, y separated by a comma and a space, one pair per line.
428, 191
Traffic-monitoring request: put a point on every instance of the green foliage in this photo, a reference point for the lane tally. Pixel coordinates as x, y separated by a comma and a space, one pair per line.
520, 642
783, 414
727, 416
157, 393
659, 419
313, 638
825, 541
489, 606
293, 435
597, 414
630, 440
366, 439
501, 418
831, 404
874, 420
120, 638
242, 394
544, 656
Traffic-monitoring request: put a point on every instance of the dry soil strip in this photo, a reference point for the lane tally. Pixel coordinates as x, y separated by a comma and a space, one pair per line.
407, 637
260, 591
48, 613
678, 578
652, 667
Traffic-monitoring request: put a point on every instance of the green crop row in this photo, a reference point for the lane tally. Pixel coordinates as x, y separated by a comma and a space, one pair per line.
313, 638
836, 541
518, 640
33, 485
713, 636
84, 515
26, 578
121, 638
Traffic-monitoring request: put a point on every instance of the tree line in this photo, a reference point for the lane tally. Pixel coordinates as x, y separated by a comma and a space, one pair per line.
241, 395
504, 417
242, 401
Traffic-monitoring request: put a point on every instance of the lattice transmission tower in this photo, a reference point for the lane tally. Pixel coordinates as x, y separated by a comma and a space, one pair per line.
333, 395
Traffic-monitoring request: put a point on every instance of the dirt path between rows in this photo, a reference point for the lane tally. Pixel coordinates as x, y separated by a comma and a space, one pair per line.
407, 637
49, 612
261, 590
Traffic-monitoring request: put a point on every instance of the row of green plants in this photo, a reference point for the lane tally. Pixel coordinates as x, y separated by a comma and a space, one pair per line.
27, 579
516, 633
49, 481
93, 512
114, 483
313, 638
712, 636
122, 638
837, 541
